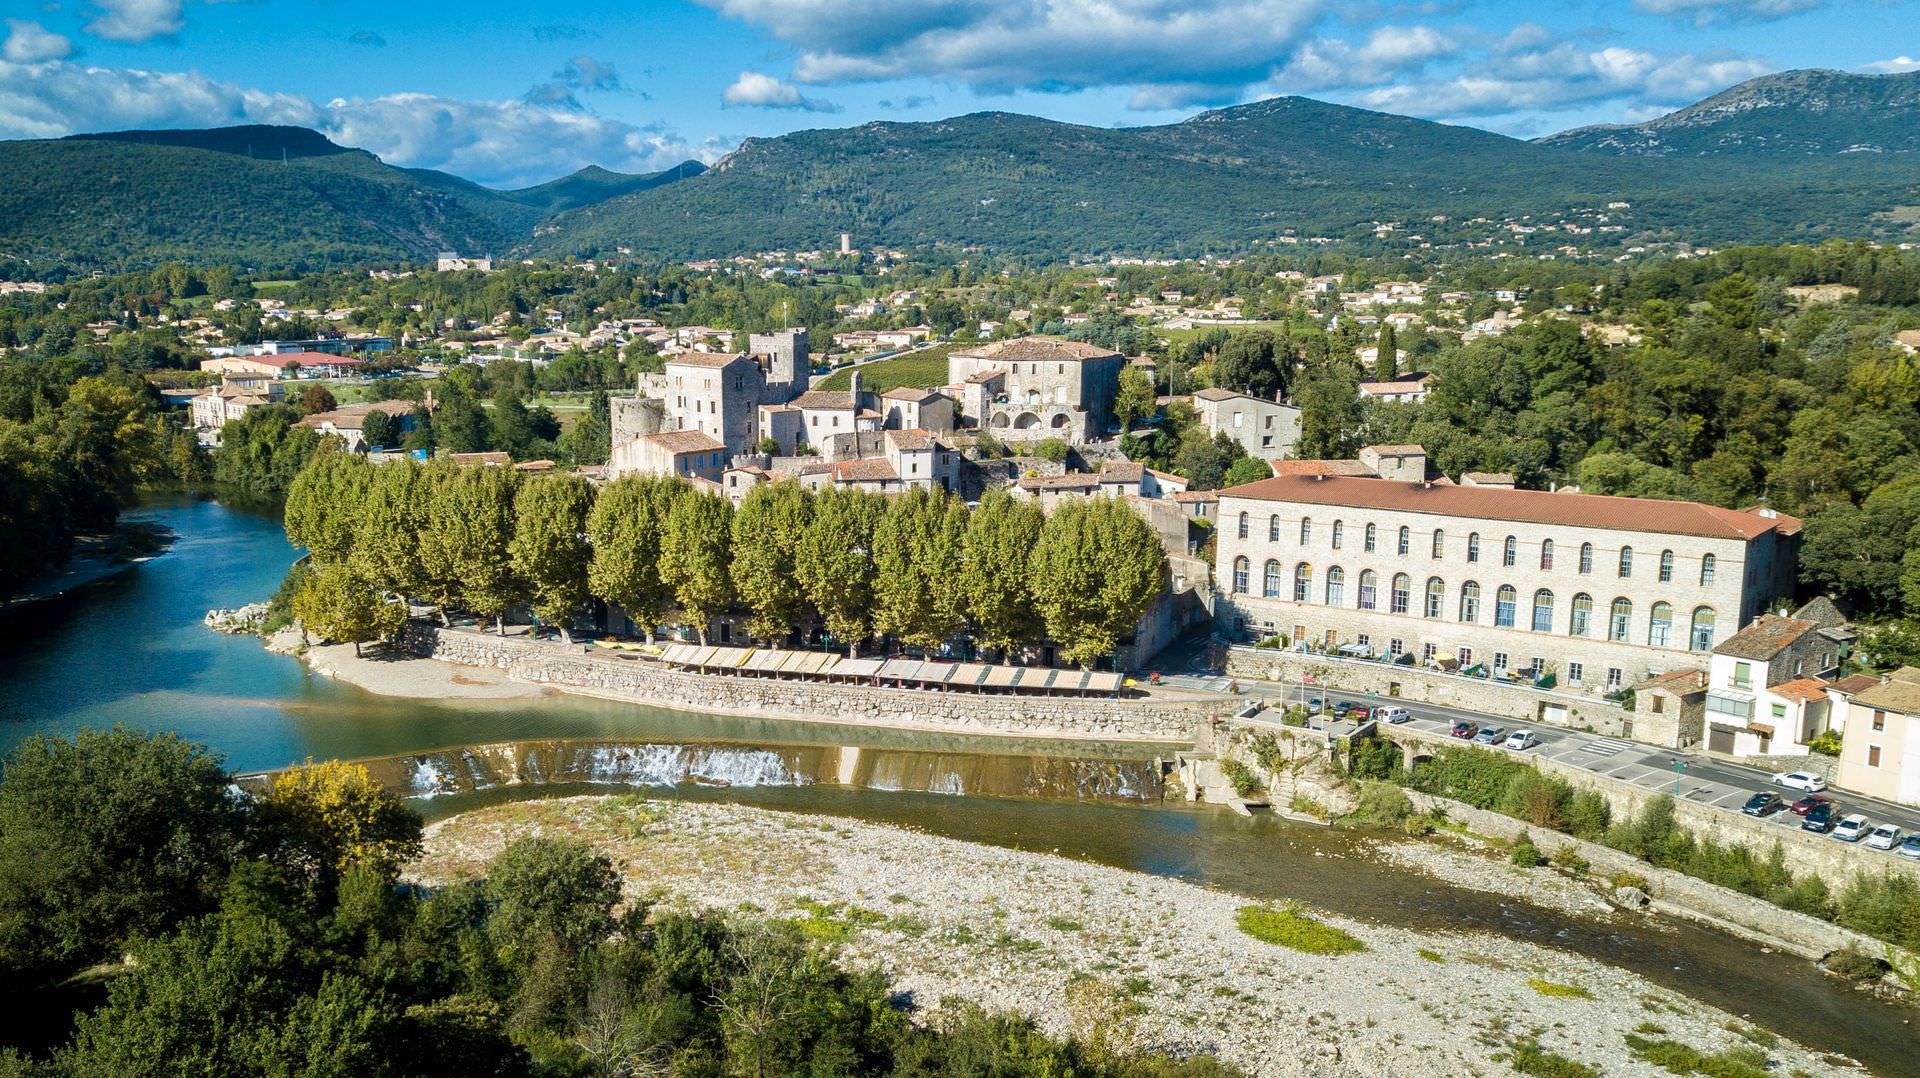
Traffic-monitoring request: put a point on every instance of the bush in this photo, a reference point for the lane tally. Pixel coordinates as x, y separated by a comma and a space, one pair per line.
1527, 1057
1856, 966
1375, 758
1383, 805
1525, 853
1286, 926
1827, 744
1568, 858
280, 607
1242, 777
1053, 449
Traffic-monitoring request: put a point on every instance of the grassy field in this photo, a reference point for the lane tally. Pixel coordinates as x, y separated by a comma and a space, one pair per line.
1171, 335
922, 369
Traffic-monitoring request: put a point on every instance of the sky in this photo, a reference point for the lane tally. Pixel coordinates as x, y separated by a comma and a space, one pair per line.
513, 94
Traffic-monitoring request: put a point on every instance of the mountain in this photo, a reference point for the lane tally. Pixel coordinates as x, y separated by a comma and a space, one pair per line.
1794, 114
1223, 180
272, 198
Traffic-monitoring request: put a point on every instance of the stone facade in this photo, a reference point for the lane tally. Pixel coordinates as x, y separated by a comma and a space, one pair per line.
1267, 430
1037, 387
1408, 567
650, 683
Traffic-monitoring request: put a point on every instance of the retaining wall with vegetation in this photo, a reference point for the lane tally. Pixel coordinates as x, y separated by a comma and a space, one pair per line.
1150, 718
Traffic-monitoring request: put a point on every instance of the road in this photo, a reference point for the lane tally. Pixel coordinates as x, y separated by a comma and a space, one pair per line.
1703, 779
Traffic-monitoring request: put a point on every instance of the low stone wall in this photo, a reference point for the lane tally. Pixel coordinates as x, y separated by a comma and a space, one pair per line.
652, 683
1743, 915
1430, 687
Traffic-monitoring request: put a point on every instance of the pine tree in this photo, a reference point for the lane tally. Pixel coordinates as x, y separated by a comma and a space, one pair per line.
1001, 535
626, 528
550, 550
767, 531
835, 562
695, 551
1386, 365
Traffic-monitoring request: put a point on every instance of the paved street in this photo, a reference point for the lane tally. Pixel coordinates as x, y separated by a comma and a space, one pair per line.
1703, 779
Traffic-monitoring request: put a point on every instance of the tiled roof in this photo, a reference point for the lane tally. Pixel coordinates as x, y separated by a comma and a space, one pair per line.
1070, 481
685, 441
301, 359
1122, 471
908, 393
910, 439
1399, 450
703, 359
1677, 681
1768, 635
876, 470
1804, 689
824, 399
1350, 468
1499, 503
1379, 388
1197, 496
1855, 683
1900, 692
1046, 349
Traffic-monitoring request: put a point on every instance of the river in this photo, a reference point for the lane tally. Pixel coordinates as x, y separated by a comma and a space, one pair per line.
131, 650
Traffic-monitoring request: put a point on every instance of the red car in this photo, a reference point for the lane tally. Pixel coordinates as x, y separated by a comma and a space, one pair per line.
1465, 730
1358, 714
1809, 803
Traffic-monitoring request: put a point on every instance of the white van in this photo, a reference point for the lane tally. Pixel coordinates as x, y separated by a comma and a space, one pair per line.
1392, 713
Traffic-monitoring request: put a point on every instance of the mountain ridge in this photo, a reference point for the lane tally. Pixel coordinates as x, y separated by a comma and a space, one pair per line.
1786, 112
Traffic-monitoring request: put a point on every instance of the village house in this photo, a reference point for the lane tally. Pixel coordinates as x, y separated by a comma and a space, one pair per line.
1765, 694
1267, 430
347, 421
1880, 754
685, 453
1037, 387
1123, 478
235, 396
1409, 388
718, 394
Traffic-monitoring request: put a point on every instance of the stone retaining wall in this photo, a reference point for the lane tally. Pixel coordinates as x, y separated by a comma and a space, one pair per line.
1431, 687
649, 682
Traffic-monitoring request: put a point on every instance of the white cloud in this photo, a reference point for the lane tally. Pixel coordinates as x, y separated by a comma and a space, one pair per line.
502, 143
1707, 12
1389, 53
754, 90
28, 42
1897, 65
135, 20
1176, 51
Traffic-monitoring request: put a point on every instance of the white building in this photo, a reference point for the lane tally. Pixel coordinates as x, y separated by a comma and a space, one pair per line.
1037, 387
1880, 755
1765, 694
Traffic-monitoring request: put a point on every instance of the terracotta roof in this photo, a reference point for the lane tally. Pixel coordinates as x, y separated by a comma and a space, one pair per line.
910, 439
1899, 692
1122, 471
1048, 349
856, 471
1678, 681
1197, 496
1805, 689
685, 441
300, 359
820, 398
1351, 468
1377, 388
1488, 477
703, 359
534, 466
1763, 638
908, 393
1499, 503
1854, 684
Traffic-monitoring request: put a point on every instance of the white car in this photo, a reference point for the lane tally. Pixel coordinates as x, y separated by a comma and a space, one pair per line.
1520, 741
1851, 828
1800, 780
1883, 837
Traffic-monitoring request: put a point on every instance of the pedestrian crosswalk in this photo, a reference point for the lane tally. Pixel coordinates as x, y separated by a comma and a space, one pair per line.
1605, 746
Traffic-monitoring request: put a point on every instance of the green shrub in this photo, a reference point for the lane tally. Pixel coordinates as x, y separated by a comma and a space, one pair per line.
280, 606
1525, 853
1286, 926
1827, 744
1375, 758
1053, 449
1677, 1058
1527, 1057
1557, 990
1382, 804
1568, 858
1242, 777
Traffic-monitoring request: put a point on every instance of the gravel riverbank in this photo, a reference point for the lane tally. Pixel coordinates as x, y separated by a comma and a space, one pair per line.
1045, 935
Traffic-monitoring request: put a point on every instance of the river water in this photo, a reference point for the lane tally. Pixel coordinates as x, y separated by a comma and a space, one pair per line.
132, 650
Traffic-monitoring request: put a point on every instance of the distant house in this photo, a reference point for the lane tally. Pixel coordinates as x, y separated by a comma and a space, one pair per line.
453, 262
685, 453
235, 396
288, 365
1908, 341
1410, 388
1765, 696
348, 422
1880, 756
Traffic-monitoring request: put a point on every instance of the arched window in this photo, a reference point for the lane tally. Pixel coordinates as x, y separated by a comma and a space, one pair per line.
1473, 546
1582, 617
1243, 525
1626, 561
1439, 543
1702, 637
1402, 585
1504, 601
1306, 531
1336, 586
1510, 553
1368, 585
1339, 533
1470, 601
1706, 572
1543, 611
1619, 620
1586, 558
1666, 567
1660, 625
1436, 597
1240, 569
1406, 540
1546, 555
1371, 530
1270, 579
1273, 528
1302, 582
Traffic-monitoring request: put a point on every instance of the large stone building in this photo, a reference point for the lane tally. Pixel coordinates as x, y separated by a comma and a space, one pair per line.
719, 395
1037, 387
1598, 591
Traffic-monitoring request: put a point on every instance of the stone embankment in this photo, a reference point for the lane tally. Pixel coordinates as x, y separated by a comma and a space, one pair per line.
243, 621
1160, 961
573, 668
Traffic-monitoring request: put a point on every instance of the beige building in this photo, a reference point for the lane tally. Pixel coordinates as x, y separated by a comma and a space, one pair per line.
1037, 387
1880, 754
1267, 430
347, 422
235, 396
1598, 591
685, 453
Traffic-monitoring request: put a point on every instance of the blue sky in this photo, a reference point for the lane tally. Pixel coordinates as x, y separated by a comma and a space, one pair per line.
517, 93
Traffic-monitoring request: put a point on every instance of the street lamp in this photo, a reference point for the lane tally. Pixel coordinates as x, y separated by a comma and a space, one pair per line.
1679, 769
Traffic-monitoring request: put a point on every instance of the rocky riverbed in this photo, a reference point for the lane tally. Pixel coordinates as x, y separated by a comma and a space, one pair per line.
1160, 959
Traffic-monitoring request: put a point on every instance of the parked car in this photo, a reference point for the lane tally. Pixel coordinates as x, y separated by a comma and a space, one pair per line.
1800, 780
1911, 847
1819, 819
1465, 730
1762, 804
1340, 709
1851, 828
1316, 705
1489, 735
1393, 714
1809, 803
1520, 741
1884, 837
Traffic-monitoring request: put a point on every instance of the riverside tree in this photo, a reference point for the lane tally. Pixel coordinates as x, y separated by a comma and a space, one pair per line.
626, 528
392, 521
338, 603
917, 558
469, 530
1096, 569
695, 551
325, 501
1001, 535
767, 532
550, 550
835, 562
332, 818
